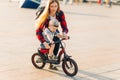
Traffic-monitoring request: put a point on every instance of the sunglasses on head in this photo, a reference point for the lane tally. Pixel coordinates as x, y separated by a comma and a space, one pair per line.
55, 25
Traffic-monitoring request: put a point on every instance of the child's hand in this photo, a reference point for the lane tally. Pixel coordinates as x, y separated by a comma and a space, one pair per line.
52, 42
46, 45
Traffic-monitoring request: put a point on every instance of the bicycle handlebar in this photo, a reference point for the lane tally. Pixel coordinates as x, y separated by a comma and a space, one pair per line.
59, 41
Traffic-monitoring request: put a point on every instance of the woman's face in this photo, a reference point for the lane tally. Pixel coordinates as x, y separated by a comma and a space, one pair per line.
53, 7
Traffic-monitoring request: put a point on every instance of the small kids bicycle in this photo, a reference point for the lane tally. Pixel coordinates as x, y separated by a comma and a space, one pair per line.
69, 66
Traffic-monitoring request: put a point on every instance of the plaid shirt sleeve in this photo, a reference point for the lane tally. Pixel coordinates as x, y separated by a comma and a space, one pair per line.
39, 32
39, 35
63, 22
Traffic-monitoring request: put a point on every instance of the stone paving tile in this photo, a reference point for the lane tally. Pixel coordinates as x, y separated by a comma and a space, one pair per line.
113, 74
96, 49
105, 69
94, 76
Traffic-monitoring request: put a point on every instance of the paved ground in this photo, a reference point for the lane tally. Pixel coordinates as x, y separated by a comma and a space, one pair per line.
94, 43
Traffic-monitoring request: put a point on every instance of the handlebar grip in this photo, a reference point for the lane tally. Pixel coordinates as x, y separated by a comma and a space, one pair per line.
58, 41
65, 38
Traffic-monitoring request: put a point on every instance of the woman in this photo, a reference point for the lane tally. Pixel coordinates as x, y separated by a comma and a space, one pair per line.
51, 11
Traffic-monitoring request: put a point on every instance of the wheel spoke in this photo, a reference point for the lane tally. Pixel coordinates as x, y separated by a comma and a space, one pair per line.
67, 65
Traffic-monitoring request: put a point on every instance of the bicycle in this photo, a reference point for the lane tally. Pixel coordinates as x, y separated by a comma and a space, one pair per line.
67, 62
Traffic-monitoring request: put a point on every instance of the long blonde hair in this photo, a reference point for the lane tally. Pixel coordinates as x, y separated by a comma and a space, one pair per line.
40, 21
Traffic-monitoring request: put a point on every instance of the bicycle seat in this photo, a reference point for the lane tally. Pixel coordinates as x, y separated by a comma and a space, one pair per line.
44, 51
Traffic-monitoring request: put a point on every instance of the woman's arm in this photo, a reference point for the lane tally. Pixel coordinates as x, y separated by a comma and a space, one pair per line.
63, 22
62, 36
40, 30
39, 35
59, 36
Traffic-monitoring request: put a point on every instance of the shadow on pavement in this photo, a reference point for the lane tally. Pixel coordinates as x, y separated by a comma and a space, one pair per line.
94, 76
62, 74
87, 75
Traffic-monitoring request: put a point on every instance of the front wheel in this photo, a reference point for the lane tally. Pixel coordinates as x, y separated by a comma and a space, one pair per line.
37, 61
70, 67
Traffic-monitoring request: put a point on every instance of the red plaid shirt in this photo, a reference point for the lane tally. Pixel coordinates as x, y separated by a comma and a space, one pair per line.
60, 17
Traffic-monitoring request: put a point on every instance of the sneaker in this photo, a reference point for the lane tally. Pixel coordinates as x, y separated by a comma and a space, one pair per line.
52, 67
51, 57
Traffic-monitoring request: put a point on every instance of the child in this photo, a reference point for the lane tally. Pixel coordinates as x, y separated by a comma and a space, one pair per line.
49, 34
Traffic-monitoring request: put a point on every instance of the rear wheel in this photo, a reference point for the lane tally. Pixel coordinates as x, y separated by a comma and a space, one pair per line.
70, 67
37, 61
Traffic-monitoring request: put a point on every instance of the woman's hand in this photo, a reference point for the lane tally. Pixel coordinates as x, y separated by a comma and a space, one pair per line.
65, 37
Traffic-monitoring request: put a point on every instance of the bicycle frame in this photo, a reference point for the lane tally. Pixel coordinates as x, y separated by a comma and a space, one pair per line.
62, 51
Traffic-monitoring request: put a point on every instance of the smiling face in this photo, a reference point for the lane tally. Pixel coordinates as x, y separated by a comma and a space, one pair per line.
53, 7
